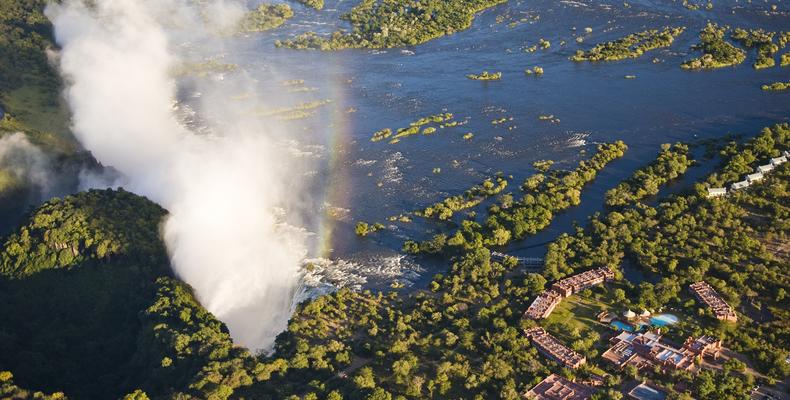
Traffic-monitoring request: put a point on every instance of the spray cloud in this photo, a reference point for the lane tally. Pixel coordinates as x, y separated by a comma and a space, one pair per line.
22, 163
225, 184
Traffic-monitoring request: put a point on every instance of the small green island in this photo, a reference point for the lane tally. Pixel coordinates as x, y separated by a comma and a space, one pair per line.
535, 71
445, 209
777, 86
717, 52
395, 23
672, 162
763, 41
425, 125
631, 46
265, 17
317, 4
299, 111
485, 76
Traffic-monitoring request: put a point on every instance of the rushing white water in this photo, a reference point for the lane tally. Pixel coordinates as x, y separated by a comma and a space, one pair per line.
223, 185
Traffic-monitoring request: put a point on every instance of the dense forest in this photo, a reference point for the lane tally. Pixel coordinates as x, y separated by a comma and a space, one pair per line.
386, 24
91, 265
92, 309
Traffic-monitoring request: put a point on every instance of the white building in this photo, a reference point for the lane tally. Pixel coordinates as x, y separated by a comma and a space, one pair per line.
716, 192
755, 177
764, 169
778, 161
786, 153
740, 185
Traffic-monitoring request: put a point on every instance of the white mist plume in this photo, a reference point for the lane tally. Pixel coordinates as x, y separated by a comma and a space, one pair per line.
222, 188
26, 163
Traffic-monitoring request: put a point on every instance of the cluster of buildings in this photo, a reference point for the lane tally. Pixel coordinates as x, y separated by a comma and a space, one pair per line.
757, 176
554, 349
708, 295
642, 350
555, 387
547, 301
646, 350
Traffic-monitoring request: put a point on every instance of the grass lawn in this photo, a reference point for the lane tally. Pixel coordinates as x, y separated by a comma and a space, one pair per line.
40, 113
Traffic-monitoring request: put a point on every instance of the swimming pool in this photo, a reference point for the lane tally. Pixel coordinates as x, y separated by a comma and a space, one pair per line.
622, 326
663, 320
647, 393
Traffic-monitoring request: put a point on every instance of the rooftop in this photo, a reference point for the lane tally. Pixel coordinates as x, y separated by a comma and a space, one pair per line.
554, 349
708, 295
555, 387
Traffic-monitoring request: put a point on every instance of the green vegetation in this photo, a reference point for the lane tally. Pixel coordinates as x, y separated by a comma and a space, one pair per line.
631, 46
266, 17
317, 4
89, 308
362, 228
442, 120
537, 71
300, 111
785, 60
717, 52
777, 86
205, 68
697, 6
445, 209
485, 76
763, 41
8, 390
29, 87
10, 184
730, 242
549, 118
543, 165
395, 23
671, 163
142, 334
381, 135
96, 226
544, 195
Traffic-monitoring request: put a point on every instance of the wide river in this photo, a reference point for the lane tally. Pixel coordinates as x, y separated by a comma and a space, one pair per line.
594, 103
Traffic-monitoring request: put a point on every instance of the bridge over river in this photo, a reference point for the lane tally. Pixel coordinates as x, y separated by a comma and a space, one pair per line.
532, 263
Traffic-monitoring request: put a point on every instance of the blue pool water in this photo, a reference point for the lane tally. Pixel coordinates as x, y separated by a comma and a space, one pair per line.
648, 393
659, 320
620, 325
663, 320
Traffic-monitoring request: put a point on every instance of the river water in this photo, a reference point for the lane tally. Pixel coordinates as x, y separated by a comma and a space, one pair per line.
594, 102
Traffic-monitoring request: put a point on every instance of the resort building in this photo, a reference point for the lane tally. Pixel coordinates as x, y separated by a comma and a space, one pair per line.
705, 346
755, 177
716, 192
645, 350
740, 185
555, 387
764, 169
579, 282
708, 295
778, 161
786, 153
553, 349
543, 305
